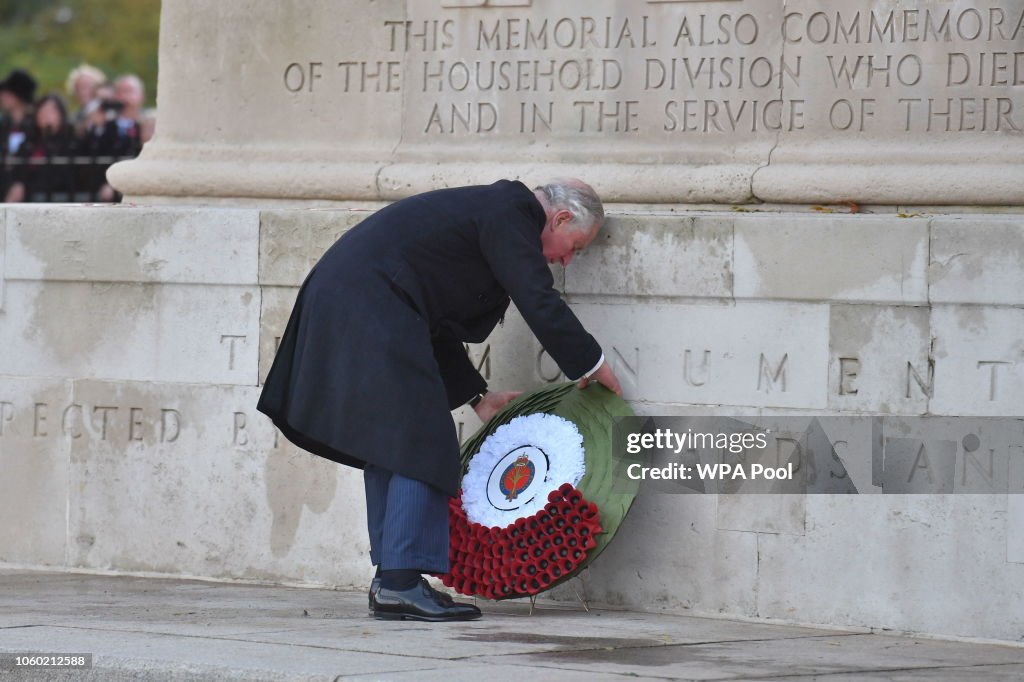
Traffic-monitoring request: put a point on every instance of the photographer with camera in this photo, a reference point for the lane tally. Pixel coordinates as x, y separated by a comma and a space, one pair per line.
113, 131
82, 84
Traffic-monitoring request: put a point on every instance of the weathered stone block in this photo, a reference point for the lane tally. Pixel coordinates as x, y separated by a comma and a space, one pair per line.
763, 513
842, 258
37, 419
944, 562
129, 331
979, 360
638, 255
758, 353
188, 479
879, 359
977, 259
133, 244
293, 240
714, 571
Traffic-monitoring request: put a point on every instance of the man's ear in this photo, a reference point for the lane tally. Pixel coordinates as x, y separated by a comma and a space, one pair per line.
563, 217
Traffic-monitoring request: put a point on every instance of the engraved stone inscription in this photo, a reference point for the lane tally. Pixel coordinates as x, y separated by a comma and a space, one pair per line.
6, 415
993, 367
848, 369
71, 421
481, 359
675, 101
673, 69
982, 465
696, 376
546, 368
771, 378
627, 367
74, 421
232, 340
925, 385
240, 434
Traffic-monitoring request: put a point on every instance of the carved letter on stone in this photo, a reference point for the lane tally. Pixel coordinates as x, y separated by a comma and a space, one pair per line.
241, 437
70, 424
988, 473
104, 410
795, 454
767, 379
39, 430
6, 415
921, 462
993, 365
628, 372
484, 365
134, 423
170, 425
231, 347
296, 78
548, 374
926, 386
848, 369
705, 365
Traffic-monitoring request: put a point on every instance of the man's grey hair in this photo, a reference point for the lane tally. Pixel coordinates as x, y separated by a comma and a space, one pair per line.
579, 199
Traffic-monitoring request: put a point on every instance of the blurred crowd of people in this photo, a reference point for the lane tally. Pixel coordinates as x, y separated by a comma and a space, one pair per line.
48, 153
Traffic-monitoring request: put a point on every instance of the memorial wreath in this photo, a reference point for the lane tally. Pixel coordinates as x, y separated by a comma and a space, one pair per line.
539, 499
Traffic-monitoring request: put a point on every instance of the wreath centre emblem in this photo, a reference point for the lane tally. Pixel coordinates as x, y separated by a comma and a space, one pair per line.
518, 465
517, 477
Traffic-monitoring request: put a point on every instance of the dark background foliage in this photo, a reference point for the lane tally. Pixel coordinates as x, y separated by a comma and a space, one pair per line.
50, 37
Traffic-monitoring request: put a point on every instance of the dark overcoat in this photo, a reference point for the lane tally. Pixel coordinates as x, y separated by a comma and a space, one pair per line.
372, 359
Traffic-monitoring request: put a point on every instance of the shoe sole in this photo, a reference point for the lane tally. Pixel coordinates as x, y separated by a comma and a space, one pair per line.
428, 619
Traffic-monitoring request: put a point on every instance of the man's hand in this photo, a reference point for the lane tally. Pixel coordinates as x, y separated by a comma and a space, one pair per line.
604, 376
494, 401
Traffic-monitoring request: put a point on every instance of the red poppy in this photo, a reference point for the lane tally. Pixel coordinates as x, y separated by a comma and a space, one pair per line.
526, 557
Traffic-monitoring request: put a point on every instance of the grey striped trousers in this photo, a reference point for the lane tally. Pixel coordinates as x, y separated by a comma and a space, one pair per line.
407, 521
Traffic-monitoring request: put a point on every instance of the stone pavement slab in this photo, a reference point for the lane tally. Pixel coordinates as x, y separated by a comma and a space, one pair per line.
171, 629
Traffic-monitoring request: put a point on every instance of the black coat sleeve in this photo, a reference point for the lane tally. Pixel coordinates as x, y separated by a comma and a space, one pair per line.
510, 242
461, 379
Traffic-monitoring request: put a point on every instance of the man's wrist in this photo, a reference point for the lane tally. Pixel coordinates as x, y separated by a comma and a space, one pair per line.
596, 367
475, 400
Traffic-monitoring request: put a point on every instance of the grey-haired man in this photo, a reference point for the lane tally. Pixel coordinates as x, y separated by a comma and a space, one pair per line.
372, 360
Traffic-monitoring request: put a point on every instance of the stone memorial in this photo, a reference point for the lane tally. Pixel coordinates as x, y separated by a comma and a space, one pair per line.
722, 101
814, 209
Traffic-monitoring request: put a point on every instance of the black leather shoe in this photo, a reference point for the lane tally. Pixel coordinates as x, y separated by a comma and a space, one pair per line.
374, 586
420, 602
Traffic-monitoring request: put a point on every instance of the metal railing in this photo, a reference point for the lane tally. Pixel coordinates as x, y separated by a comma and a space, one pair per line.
59, 179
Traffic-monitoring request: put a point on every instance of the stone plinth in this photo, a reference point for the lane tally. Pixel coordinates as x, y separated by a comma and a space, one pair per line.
662, 101
133, 342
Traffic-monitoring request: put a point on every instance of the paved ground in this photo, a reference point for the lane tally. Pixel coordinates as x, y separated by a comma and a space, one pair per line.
161, 629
